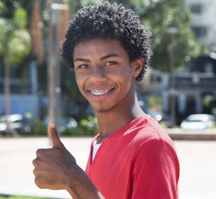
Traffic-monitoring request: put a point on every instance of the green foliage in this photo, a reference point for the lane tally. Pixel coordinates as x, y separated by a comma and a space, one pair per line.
2, 8
15, 40
90, 2
155, 102
86, 127
157, 16
6, 27
163, 125
207, 100
38, 128
19, 197
19, 18
19, 46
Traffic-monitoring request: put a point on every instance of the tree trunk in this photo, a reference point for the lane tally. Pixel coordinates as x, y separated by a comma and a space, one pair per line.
7, 86
7, 96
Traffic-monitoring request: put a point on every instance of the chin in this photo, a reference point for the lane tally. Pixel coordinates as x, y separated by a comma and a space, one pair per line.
105, 109
102, 110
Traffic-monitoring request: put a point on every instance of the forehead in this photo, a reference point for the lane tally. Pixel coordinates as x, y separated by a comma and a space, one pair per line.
99, 47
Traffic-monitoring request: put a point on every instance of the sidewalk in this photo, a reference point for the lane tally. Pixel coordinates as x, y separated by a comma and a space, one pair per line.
16, 155
197, 160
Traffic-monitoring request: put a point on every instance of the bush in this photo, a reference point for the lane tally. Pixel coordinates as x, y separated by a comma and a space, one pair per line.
38, 128
19, 197
86, 127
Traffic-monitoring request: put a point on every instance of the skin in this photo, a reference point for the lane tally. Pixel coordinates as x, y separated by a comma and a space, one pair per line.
103, 65
100, 65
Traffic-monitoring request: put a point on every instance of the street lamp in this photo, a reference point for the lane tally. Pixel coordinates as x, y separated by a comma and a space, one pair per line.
58, 19
172, 31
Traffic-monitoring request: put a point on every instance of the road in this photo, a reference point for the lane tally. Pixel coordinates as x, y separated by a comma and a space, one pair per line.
197, 161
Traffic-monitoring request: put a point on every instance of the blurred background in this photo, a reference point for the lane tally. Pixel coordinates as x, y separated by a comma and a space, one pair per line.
179, 89
180, 81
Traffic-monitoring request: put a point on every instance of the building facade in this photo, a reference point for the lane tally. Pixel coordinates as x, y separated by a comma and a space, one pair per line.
22, 103
203, 13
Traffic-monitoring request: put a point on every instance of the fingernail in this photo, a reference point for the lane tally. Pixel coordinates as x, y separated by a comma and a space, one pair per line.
52, 124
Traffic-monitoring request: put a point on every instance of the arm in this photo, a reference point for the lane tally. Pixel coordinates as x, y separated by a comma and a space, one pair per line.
56, 168
82, 187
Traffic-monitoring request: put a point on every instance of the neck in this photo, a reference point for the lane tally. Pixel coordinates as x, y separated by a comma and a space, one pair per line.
119, 116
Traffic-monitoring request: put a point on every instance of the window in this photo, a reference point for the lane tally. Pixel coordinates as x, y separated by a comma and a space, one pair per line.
196, 8
200, 31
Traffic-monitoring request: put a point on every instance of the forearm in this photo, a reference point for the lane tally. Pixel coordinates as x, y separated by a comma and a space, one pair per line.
81, 187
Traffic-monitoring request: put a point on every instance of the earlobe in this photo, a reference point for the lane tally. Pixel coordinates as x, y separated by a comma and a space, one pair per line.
137, 66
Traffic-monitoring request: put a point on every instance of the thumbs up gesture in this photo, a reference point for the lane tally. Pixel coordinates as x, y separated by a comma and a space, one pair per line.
55, 166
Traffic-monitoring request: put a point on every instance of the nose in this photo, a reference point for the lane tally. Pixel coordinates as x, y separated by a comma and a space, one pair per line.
98, 74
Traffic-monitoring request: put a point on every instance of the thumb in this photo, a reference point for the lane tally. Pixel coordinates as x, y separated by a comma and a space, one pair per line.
53, 134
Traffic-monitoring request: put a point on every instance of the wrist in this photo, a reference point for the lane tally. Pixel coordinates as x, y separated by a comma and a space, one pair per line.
79, 186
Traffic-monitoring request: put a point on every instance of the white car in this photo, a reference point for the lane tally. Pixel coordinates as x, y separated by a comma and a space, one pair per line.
198, 122
16, 121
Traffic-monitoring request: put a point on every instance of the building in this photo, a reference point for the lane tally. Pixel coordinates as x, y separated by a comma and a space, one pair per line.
191, 87
22, 103
196, 83
203, 13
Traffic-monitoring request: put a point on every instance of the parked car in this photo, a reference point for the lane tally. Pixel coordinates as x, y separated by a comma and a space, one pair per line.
20, 123
64, 123
198, 121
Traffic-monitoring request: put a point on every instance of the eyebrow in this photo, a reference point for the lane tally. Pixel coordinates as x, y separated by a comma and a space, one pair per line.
109, 55
102, 58
82, 59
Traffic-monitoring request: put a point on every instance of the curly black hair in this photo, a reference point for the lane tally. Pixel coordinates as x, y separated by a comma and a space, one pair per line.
108, 21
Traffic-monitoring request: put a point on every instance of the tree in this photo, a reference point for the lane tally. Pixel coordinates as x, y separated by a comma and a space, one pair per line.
156, 15
14, 46
159, 15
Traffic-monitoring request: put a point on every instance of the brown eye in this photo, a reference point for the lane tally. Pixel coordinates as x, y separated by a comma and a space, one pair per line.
83, 66
110, 63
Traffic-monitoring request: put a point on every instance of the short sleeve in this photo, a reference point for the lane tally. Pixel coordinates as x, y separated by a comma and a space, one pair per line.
155, 171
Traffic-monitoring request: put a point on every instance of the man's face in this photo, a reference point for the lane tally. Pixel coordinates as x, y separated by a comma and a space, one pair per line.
104, 73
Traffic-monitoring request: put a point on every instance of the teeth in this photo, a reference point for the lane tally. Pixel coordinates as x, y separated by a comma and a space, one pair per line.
99, 92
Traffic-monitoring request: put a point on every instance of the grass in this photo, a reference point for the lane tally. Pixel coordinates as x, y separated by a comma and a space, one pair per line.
18, 197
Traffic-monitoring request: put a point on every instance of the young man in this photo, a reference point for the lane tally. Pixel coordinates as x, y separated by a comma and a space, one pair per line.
132, 157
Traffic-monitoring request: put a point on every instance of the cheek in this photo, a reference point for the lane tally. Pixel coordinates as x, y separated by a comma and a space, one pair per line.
80, 81
124, 80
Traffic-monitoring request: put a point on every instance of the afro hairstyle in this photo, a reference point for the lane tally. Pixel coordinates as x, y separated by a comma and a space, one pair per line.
108, 21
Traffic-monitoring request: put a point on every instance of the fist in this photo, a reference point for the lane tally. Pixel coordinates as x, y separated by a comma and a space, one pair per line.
55, 166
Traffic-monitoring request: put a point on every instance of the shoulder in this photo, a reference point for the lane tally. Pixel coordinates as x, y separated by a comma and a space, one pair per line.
147, 131
152, 141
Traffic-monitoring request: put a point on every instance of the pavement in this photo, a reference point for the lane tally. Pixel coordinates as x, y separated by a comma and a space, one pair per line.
197, 162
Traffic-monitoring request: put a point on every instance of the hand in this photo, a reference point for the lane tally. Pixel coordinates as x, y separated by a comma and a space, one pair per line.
54, 166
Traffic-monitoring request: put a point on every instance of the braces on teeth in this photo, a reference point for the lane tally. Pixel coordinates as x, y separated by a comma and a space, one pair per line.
99, 92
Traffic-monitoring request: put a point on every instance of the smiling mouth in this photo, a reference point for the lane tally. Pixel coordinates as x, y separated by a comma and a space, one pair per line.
100, 92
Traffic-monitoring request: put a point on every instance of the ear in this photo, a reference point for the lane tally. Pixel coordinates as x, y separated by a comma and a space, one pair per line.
137, 66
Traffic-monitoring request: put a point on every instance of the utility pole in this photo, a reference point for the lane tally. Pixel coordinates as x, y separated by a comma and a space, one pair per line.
172, 92
56, 12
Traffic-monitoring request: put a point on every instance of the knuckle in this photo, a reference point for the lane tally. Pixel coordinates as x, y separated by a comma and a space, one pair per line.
35, 162
35, 172
38, 182
39, 152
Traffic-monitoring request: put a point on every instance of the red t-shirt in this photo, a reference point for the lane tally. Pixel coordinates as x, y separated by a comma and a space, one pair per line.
137, 161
